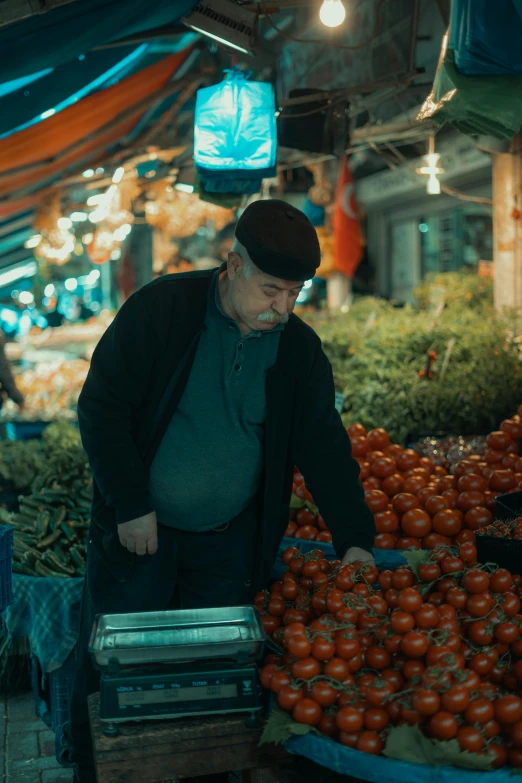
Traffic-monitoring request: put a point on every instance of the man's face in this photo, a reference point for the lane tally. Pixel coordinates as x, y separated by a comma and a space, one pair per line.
260, 301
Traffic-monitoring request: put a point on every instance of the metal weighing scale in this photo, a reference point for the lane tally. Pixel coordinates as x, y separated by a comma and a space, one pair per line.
173, 664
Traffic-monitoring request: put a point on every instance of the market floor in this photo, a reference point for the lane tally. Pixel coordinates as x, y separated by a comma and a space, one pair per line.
27, 744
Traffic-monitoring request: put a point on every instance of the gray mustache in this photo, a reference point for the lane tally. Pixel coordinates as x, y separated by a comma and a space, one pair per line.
273, 318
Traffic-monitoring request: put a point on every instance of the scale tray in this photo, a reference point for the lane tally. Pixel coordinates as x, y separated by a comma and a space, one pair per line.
233, 633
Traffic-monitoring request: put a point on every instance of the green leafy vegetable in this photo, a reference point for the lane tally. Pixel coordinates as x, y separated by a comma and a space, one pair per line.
408, 743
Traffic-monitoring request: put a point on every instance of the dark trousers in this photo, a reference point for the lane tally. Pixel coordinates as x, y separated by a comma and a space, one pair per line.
189, 571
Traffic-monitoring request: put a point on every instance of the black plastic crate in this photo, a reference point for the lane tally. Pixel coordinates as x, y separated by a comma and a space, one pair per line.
508, 506
505, 552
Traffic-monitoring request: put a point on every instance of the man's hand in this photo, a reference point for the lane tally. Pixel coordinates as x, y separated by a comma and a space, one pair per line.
355, 553
140, 535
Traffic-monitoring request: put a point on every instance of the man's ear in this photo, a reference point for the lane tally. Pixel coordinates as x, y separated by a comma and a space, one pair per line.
234, 264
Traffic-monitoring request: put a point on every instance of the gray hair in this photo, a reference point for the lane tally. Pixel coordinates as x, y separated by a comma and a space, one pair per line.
247, 268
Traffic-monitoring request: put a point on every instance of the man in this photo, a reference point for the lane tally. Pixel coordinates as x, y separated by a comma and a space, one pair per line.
202, 396
8, 387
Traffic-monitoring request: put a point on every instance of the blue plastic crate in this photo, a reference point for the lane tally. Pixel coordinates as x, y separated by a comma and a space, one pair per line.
6, 566
60, 689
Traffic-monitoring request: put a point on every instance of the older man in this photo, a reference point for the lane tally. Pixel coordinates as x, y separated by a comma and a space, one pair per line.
202, 396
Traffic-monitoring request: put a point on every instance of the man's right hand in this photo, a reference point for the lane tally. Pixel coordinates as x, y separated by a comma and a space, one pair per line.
140, 535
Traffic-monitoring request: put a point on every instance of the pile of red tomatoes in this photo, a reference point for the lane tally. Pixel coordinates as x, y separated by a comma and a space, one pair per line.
417, 504
363, 651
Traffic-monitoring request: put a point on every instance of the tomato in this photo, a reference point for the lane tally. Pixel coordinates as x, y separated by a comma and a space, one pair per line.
345, 578
311, 568
360, 446
477, 517
426, 493
508, 709
376, 500
356, 430
481, 663
516, 734
468, 554
434, 504
426, 702
288, 696
506, 633
513, 427
446, 483
402, 622
334, 600
276, 607
376, 695
349, 720
323, 649
501, 581
476, 581
370, 742
436, 680
378, 439
279, 679
498, 754
478, 605
499, 440
416, 523
392, 598
393, 484
480, 710
266, 674
429, 572
414, 644
324, 694
291, 553
408, 460
410, 600
451, 496
377, 658
502, 480
306, 669
443, 726
457, 598
456, 700
472, 483
305, 517
337, 669
470, 739
403, 577
413, 668
515, 757
465, 537
289, 591
350, 740
451, 565
378, 605
446, 523
376, 719
386, 521
307, 711
427, 617
382, 467
325, 537
405, 501
296, 564
306, 533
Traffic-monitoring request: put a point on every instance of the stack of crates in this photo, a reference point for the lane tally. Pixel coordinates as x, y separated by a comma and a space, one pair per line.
6, 566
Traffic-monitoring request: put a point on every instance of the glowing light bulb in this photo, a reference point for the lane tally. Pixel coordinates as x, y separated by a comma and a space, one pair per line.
332, 13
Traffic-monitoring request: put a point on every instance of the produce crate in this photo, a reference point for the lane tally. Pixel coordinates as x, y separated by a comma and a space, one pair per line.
505, 552
6, 563
25, 430
52, 696
508, 506
60, 687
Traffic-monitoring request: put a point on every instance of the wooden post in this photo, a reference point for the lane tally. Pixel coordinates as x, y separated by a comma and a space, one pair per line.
507, 229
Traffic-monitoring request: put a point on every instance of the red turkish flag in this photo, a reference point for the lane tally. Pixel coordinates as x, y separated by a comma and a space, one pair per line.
348, 240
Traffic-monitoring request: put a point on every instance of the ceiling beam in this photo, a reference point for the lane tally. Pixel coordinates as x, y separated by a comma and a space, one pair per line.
15, 10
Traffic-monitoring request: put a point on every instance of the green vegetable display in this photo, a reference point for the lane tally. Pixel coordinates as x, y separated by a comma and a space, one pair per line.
378, 352
51, 525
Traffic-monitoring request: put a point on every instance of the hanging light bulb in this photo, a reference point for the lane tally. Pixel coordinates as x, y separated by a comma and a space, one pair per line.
332, 13
432, 169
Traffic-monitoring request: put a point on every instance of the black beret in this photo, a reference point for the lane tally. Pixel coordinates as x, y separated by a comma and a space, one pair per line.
279, 239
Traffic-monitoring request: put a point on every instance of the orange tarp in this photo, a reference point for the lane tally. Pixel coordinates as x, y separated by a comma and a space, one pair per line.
44, 142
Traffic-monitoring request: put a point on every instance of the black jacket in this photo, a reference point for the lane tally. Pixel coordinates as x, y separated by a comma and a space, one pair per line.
138, 373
